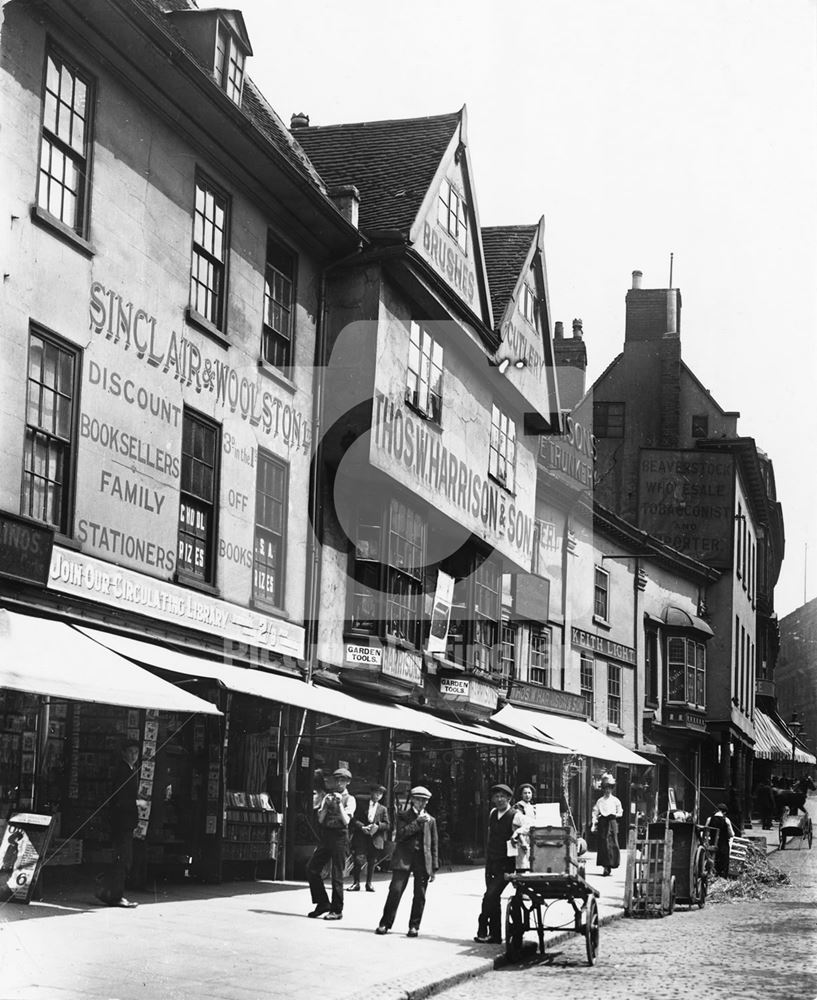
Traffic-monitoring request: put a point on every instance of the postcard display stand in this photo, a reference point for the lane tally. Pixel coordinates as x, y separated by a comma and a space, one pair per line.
251, 828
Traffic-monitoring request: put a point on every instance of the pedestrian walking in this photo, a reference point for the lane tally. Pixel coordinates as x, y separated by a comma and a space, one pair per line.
521, 836
606, 813
335, 810
123, 813
415, 853
720, 821
370, 825
500, 860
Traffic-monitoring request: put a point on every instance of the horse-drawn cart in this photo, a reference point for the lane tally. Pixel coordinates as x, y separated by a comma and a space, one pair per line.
793, 825
556, 875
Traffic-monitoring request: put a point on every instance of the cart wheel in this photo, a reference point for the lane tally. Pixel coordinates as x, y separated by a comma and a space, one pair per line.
514, 928
810, 834
699, 879
782, 839
591, 930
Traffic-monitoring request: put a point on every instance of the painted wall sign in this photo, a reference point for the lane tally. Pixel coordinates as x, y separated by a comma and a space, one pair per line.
181, 359
685, 499
447, 480
402, 665
602, 645
126, 590
25, 549
449, 261
369, 656
542, 697
571, 455
521, 346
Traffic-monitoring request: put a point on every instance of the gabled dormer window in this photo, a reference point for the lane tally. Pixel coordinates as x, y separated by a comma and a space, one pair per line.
229, 63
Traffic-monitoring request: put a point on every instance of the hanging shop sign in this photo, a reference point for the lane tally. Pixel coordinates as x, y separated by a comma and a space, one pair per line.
82, 576
25, 549
547, 698
470, 691
602, 645
362, 655
440, 614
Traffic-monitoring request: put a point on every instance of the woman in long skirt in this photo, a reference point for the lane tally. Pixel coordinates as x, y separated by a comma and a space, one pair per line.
606, 813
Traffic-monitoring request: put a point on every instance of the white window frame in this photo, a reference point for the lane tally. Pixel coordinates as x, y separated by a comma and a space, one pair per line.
424, 373
528, 303
452, 214
540, 657
614, 694
502, 452
229, 62
599, 574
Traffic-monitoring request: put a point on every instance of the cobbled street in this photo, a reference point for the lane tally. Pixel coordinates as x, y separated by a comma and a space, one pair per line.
757, 949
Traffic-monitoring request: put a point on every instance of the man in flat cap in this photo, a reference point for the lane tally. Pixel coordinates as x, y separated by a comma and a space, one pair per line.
500, 859
415, 853
334, 812
370, 824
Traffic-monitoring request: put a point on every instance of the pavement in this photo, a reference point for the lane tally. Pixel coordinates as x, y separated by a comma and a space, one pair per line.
243, 940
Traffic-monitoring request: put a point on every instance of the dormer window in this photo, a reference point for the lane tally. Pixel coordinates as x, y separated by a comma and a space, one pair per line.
229, 63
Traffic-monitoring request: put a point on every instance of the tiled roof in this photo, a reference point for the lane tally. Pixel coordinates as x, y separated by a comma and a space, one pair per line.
253, 103
505, 249
391, 163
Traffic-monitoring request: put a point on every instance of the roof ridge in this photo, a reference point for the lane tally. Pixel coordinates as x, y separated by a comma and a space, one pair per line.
527, 226
454, 116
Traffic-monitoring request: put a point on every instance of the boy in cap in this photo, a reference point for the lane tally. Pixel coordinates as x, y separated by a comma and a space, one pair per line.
369, 827
500, 859
334, 813
415, 853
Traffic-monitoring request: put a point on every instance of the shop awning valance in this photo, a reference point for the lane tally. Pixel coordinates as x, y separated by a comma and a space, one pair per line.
771, 743
46, 657
578, 736
290, 690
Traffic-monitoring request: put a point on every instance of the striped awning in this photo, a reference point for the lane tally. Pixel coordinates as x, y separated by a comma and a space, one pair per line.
771, 743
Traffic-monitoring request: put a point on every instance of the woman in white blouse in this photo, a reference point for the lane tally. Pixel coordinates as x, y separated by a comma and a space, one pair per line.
606, 813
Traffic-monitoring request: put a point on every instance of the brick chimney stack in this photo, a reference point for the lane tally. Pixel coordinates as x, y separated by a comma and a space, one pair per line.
570, 355
652, 335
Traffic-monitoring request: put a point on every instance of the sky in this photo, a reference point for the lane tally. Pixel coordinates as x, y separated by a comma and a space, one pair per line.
638, 128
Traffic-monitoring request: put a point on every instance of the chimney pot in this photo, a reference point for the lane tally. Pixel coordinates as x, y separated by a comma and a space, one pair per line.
578, 333
637, 276
559, 330
347, 200
299, 120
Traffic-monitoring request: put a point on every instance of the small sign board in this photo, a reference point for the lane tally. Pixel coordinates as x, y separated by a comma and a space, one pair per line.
25, 548
22, 854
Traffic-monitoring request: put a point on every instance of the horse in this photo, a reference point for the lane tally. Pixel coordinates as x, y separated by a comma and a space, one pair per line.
794, 797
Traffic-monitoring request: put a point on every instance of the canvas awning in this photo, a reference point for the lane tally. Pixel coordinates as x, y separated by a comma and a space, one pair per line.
771, 743
578, 736
47, 657
290, 690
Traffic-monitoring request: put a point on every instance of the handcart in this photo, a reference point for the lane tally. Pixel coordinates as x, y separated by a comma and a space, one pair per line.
693, 848
556, 875
792, 826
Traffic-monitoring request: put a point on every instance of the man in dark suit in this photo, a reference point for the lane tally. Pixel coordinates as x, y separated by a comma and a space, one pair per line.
415, 853
334, 813
370, 825
124, 815
499, 862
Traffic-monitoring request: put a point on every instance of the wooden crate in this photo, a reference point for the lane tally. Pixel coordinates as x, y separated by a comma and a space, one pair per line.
552, 850
648, 883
